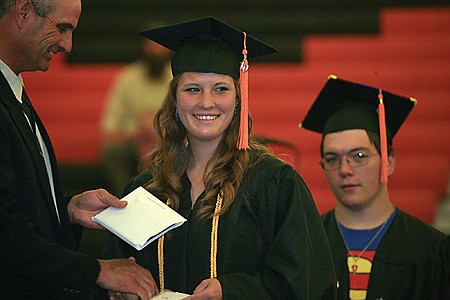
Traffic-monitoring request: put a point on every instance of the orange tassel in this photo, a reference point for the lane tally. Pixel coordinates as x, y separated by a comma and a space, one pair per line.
383, 140
243, 81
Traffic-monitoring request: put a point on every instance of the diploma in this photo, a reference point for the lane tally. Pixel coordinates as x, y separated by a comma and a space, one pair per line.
142, 221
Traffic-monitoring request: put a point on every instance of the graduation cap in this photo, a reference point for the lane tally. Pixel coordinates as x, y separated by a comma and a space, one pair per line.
209, 45
343, 105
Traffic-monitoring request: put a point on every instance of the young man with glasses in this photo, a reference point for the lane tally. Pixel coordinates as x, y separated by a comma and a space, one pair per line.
379, 251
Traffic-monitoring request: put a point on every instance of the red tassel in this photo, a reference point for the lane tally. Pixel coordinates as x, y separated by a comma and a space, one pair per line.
383, 140
243, 81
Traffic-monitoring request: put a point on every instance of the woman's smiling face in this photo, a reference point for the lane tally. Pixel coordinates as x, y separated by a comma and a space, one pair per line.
206, 105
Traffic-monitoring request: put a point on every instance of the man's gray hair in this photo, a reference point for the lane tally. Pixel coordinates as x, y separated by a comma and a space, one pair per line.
41, 7
5, 5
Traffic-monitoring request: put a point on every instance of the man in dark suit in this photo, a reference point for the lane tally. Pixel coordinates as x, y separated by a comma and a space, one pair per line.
39, 227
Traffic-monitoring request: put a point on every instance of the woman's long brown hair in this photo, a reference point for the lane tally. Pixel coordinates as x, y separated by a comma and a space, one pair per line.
170, 158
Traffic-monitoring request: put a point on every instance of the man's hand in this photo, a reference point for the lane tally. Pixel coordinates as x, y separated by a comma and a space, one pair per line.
207, 289
83, 207
125, 276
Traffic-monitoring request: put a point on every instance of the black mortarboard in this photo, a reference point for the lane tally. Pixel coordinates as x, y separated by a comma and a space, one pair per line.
343, 105
207, 45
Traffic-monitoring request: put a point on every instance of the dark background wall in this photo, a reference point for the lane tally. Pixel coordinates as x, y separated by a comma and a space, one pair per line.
108, 29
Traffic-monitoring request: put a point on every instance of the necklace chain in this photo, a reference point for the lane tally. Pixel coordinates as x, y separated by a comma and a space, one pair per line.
355, 259
213, 253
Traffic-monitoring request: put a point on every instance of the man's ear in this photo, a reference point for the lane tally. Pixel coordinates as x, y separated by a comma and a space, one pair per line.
391, 163
23, 10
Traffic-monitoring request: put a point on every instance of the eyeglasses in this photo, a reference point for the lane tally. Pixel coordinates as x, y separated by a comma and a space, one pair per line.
356, 158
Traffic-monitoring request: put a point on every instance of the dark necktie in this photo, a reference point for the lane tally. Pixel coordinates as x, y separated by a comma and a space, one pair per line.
29, 111
26, 106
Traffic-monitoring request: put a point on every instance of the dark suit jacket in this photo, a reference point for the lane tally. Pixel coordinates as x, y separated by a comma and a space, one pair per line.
37, 257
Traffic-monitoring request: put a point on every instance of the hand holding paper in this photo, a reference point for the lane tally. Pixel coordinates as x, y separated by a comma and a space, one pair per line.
142, 221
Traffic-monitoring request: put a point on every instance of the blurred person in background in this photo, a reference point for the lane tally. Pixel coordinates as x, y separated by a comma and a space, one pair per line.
127, 121
442, 219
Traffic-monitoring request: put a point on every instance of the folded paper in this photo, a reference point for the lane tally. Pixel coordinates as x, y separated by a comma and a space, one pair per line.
142, 221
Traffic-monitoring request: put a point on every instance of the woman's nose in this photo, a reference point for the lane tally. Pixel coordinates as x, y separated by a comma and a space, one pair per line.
207, 100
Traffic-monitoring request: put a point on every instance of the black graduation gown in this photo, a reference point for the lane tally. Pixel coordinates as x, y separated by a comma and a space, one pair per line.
271, 243
412, 261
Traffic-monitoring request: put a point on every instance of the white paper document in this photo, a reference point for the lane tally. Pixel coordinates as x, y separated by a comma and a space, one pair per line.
142, 221
169, 295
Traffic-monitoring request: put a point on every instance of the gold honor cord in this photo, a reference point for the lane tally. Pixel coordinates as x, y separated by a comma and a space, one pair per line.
161, 263
213, 254
214, 230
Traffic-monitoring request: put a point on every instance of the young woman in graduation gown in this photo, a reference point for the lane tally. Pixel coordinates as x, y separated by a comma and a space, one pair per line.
252, 230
